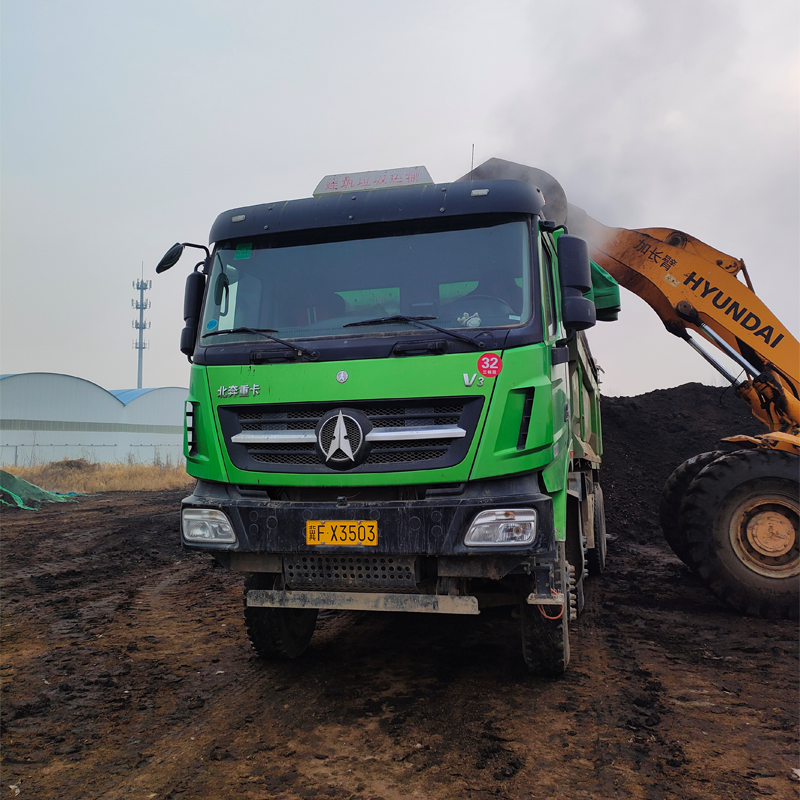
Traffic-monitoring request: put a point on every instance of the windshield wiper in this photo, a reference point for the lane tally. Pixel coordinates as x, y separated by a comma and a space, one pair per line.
313, 355
420, 321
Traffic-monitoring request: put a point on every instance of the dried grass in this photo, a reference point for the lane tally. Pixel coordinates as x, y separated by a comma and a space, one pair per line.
85, 477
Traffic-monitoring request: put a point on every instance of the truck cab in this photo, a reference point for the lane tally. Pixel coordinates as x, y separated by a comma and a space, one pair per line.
392, 406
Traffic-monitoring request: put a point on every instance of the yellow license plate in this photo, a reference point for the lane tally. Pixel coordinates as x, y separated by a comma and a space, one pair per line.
350, 533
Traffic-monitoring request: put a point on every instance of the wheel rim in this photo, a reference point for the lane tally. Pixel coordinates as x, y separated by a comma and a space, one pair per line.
764, 534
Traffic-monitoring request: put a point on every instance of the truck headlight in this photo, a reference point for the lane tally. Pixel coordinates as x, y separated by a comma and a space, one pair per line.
502, 526
206, 525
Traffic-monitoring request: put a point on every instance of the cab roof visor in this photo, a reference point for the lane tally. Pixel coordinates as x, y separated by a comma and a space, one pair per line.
380, 206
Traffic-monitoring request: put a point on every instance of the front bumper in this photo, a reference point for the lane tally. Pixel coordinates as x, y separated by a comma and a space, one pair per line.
433, 526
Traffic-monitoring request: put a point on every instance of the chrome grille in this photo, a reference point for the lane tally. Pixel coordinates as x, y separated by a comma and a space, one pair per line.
301, 456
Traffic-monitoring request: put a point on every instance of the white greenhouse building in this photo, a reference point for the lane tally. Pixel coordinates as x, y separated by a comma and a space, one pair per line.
47, 417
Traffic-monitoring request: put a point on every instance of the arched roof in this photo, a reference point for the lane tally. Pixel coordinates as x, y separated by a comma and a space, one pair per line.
54, 396
128, 395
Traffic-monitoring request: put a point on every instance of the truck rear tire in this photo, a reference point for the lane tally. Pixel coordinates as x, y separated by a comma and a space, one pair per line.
669, 506
741, 519
596, 556
277, 633
545, 633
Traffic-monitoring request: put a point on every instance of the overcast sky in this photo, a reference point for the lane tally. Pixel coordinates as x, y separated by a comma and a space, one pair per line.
127, 126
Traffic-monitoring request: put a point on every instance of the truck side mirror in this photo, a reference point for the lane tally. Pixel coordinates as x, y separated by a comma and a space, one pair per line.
170, 258
192, 304
577, 311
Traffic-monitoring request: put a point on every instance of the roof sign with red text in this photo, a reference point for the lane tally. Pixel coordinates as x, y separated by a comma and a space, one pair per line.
376, 179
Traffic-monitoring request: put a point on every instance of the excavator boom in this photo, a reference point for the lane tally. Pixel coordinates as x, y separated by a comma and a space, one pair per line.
667, 267
693, 287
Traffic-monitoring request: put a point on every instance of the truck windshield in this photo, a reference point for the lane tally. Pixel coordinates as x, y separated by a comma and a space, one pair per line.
305, 286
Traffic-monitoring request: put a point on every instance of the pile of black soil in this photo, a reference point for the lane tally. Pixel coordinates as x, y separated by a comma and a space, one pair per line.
646, 437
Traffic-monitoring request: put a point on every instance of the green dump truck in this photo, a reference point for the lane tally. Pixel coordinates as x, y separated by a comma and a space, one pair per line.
392, 406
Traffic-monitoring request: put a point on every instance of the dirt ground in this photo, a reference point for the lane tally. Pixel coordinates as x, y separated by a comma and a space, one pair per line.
126, 672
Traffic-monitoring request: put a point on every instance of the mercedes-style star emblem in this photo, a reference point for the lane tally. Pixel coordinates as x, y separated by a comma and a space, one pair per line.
341, 438
342, 376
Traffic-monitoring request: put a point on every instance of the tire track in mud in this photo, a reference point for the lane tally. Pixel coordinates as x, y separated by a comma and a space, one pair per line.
333, 731
685, 650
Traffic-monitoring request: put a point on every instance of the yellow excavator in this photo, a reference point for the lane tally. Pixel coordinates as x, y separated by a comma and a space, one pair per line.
732, 517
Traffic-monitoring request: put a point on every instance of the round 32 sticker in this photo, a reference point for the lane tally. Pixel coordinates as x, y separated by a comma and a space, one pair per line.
490, 365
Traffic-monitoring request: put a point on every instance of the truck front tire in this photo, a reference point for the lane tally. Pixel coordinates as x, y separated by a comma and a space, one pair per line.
277, 633
545, 630
545, 641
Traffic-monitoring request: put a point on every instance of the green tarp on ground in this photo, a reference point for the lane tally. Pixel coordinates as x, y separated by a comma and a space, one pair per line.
16, 492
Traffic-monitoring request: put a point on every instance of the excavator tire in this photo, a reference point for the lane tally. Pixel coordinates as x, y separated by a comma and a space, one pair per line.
545, 631
741, 522
671, 497
596, 556
277, 634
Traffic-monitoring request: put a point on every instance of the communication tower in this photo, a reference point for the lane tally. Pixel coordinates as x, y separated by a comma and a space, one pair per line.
140, 324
